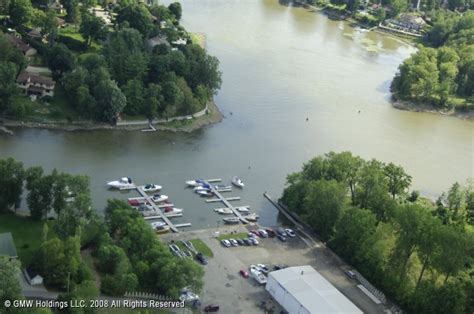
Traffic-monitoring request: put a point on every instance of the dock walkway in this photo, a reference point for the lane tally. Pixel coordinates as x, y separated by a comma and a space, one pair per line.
157, 209
228, 204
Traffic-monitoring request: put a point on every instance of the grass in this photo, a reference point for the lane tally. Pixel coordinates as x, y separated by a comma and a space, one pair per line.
199, 246
198, 39
26, 234
242, 235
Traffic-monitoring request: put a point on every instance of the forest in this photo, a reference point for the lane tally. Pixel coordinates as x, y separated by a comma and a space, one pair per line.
418, 251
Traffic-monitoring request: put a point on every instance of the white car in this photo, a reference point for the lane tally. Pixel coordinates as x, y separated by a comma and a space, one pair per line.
290, 233
226, 243
264, 269
233, 242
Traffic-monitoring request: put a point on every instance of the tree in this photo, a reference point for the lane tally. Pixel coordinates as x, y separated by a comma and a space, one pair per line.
52, 263
50, 26
8, 88
175, 9
60, 60
12, 175
137, 16
134, 92
73, 14
323, 205
92, 28
9, 285
398, 180
20, 11
110, 101
40, 196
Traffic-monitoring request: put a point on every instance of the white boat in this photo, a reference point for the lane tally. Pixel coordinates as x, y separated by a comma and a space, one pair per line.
120, 184
205, 192
172, 210
157, 224
223, 211
231, 220
238, 182
157, 198
202, 188
242, 209
198, 182
252, 217
163, 229
151, 187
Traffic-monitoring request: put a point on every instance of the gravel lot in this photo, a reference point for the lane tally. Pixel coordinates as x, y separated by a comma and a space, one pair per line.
223, 284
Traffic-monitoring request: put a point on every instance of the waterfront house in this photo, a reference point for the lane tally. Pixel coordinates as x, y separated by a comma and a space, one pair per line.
20, 44
410, 22
7, 246
35, 85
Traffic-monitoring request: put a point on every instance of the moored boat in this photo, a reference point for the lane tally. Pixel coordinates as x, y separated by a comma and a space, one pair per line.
157, 198
162, 229
157, 224
238, 182
205, 193
252, 217
197, 182
124, 182
223, 211
242, 209
172, 210
202, 187
151, 187
231, 220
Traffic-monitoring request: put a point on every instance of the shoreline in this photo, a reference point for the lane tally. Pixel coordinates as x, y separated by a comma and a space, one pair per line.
407, 106
179, 125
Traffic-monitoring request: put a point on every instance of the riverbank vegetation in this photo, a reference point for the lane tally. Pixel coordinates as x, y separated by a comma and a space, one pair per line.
126, 252
127, 58
418, 252
441, 74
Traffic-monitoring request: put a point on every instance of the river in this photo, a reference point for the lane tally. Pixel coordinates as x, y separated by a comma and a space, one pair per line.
280, 66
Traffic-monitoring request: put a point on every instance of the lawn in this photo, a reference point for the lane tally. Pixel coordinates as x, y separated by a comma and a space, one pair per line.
242, 235
199, 246
26, 234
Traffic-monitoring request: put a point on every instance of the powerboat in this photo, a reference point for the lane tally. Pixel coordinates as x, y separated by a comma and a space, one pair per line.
151, 188
242, 209
202, 187
231, 220
163, 229
197, 182
157, 198
238, 182
205, 192
135, 202
252, 217
172, 210
157, 224
124, 182
223, 211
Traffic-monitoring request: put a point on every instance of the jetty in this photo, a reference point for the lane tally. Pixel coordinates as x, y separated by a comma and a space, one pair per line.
226, 202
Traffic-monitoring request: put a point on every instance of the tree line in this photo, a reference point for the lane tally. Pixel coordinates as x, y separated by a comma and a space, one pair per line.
441, 74
419, 252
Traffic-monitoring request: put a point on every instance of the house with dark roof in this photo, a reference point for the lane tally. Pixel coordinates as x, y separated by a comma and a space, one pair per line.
20, 44
35, 85
32, 277
7, 246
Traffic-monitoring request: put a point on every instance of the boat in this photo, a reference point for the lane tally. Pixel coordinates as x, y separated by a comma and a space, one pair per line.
163, 229
231, 220
238, 182
124, 182
202, 187
172, 210
223, 211
137, 202
157, 198
157, 224
151, 187
205, 193
197, 182
242, 209
252, 217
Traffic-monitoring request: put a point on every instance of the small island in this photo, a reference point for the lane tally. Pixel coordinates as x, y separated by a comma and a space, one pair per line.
81, 66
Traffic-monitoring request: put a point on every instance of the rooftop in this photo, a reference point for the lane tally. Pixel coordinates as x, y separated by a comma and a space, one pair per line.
7, 246
34, 78
313, 291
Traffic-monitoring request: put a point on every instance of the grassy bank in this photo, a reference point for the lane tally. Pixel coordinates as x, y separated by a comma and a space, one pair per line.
26, 234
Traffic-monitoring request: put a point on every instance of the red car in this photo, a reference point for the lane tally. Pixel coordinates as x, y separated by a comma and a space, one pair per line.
244, 273
256, 232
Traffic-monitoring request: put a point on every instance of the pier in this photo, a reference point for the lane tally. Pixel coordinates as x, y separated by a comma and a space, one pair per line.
226, 202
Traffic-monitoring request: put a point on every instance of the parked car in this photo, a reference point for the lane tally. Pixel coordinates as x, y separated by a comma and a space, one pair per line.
233, 242
281, 231
263, 233
247, 242
201, 258
226, 243
240, 242
270, 231
290, 233
244, 273
251, 234
264, 269
282, 238
211, 308
256, 233
350, 274
254, 241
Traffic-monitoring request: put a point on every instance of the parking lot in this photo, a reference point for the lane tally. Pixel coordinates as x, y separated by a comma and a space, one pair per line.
224, 285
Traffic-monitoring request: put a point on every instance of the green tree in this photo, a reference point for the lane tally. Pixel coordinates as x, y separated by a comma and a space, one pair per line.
73, 14
52, 263
20, 11
110, 101
40, 195
398, 179
60, 60
92, 28
12, 175
323, 205
9, 285
176, 10
137, 16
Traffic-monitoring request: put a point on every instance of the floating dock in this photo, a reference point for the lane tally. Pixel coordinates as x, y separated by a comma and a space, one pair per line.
226, 202
221, 198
